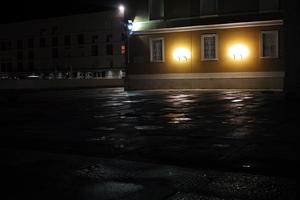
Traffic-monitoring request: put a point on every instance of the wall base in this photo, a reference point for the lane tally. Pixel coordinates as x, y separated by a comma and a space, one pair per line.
267, 80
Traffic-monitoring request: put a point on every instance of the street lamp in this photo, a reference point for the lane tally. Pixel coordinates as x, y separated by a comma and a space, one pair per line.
121, 9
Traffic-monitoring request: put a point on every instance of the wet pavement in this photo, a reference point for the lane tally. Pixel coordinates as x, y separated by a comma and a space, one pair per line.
239, 139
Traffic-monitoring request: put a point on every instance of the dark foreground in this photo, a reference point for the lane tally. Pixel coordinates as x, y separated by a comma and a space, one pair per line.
174, 145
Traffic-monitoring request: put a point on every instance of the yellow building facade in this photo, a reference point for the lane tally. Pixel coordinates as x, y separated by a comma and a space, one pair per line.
233, 55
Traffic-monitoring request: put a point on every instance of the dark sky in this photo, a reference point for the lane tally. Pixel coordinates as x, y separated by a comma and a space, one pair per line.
16, 10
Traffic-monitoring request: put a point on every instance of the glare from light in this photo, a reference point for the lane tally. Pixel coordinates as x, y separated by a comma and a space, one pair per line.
239, 52
182, 54
121, 9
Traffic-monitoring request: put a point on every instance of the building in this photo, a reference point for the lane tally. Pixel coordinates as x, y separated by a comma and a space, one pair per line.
78, 46
209, 44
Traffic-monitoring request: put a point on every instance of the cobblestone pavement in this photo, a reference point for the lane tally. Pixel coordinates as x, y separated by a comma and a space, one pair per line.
228, 131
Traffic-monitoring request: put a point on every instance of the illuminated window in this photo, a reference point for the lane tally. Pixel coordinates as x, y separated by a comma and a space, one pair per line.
123, 49
269, 44
157, 50
209, 47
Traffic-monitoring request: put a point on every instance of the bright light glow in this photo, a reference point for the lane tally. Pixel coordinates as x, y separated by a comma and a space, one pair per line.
121, 9
239, 52
182, 54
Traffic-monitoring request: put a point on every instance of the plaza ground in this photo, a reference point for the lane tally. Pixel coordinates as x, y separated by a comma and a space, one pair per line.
171, 144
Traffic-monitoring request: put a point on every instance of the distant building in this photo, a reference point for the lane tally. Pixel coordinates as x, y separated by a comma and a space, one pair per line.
89, 44
211, 44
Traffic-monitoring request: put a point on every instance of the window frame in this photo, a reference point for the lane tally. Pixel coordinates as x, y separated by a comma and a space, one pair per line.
151, 49
261, 44
216, 47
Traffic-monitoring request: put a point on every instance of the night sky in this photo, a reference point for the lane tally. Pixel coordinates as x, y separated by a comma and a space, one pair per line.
16, 10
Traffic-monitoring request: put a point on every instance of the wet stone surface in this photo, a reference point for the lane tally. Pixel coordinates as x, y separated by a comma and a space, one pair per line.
246, 132
221, 129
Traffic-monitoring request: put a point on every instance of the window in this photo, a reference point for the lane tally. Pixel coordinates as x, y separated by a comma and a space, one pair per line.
55, 53
42, 42
269, 44
31, 66
30, 43
80, 39
67, 40
108, 37
157, 50
123, 49
20, 67
3, 46
268, 5
20, 55
54, 30
209, 48
94, 38
208, 7
109, 49
55, 41
94, 50
30, 55
20, 44
156, 9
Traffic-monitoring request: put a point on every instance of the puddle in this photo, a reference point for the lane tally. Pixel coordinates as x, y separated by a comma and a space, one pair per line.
109, 190
103, 138
222, 145
179, 120
236, 100
174, 115
104, 129
148, 127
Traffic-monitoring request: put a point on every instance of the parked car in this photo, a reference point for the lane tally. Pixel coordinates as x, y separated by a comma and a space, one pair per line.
4, 77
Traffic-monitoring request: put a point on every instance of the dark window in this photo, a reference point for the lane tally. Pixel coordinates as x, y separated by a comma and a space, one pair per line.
30, 55
42, 31
30, 43
54, 30
55, 41
269, 44
20, 67
9, 67
55, 53
271, 5
68, 40
31, 66
3, 67
42, 42
20, 44
20, 55
208, 7
94, 38
94, 50
109, 49
3, 46
237, 6
80, 39
156, 9
108, 37
9, 45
